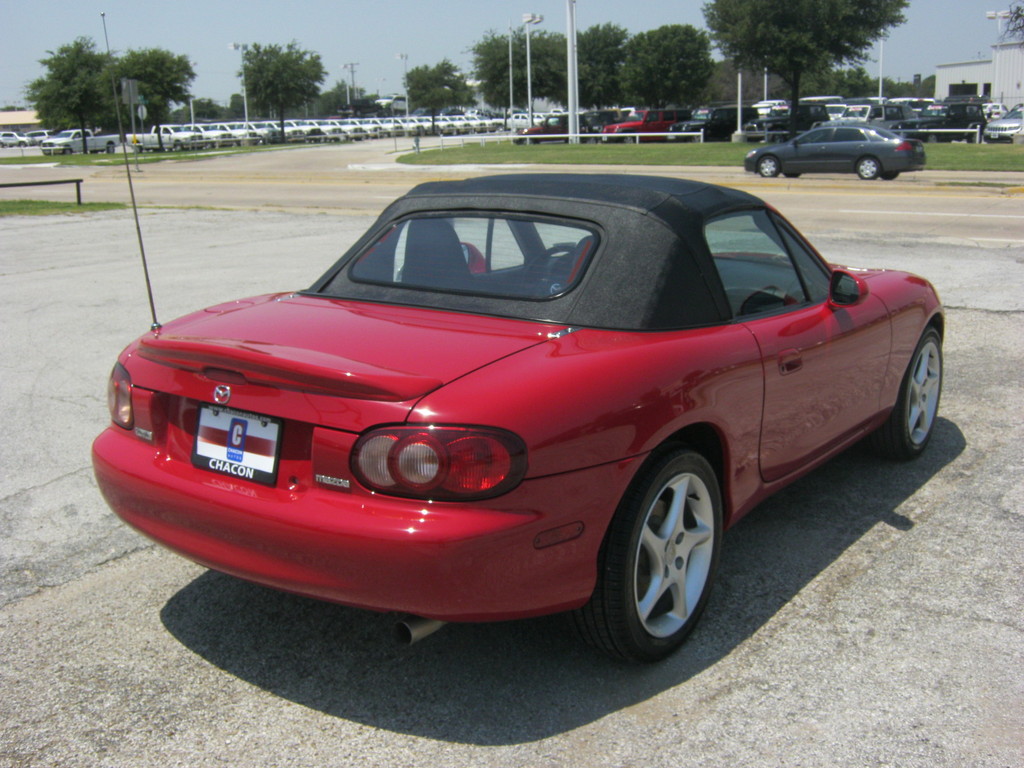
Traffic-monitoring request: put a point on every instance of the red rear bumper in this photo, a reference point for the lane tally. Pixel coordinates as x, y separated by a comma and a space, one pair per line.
530, 552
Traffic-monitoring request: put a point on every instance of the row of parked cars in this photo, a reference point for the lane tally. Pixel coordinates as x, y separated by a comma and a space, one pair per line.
323, 130
27, 139
238, 133
922, 119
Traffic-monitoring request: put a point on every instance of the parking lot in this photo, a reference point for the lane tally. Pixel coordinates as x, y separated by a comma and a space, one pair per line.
869, 615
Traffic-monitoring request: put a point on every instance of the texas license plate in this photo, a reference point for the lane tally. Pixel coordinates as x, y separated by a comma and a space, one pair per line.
237, 443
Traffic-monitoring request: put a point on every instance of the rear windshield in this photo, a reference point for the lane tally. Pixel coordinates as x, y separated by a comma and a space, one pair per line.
485, 255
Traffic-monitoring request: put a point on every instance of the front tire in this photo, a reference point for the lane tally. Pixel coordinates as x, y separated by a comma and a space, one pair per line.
906, 432
657, 562
769, 167
868, 168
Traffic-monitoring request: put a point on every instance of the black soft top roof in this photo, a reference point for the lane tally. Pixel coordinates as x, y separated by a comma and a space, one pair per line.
644, 193
652, 269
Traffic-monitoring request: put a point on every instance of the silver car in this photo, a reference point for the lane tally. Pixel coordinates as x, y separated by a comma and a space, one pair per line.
1005, 128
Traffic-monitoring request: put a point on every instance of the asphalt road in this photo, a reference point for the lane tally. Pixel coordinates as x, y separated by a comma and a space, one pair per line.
869, 615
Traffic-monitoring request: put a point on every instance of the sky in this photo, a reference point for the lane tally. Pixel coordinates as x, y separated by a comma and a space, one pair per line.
372, 33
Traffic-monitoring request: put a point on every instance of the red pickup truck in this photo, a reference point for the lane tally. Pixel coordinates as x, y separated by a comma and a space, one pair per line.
645, 121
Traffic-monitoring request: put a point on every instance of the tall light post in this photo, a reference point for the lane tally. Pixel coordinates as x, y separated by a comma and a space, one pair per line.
881, 61
351, 67
511, 103
405, 79
573, 76
999, 16
529, 19
243, 47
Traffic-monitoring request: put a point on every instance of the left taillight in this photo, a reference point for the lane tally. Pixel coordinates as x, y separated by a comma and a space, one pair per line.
904, 146
450, 463
119, 397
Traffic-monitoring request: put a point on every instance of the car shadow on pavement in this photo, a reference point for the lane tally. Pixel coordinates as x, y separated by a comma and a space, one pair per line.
513, 682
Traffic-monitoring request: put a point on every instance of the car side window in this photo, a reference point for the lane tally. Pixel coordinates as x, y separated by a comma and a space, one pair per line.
848, 134
815, 275
817, 136
753, 263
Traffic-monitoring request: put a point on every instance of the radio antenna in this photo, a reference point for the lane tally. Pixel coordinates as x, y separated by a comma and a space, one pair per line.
131, 187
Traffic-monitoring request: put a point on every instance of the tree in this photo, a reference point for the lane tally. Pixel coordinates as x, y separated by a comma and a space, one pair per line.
667, 65
279, 79
600, 53
76, 91
164, 79
437, 87
547, 65
1015, 22
722, 84
794, 37
236, 107
852, 82
333, 100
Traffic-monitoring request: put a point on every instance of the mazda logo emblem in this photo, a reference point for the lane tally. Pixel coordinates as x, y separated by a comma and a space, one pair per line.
221, 394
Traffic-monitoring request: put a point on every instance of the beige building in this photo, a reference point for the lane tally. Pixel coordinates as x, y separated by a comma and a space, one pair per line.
19, 120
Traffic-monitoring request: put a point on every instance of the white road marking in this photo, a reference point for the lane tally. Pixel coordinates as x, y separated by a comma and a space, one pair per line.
936, 213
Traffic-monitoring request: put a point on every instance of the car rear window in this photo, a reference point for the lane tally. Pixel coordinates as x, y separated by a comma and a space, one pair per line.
497, 255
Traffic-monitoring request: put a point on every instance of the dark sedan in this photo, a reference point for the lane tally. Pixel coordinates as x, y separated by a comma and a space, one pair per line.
871, 153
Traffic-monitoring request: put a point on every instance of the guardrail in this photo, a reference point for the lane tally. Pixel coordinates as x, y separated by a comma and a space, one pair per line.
769, 137
585, 138
976, 132
76, 182
635, 137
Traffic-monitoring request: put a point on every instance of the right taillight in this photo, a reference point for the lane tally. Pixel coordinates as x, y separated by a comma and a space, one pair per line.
453, 463
119, 397
904, 146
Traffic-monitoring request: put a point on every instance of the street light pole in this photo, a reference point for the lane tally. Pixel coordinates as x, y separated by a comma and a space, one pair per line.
528, 20
351, 67
511, 102
243, 47
405, 80
999, 16
881, 61
573, 76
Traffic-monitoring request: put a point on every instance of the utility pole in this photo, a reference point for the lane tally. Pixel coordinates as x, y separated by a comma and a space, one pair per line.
351, 67
573, 77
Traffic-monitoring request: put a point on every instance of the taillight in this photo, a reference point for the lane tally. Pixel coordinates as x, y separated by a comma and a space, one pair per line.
904, 146
119, 397
439, 462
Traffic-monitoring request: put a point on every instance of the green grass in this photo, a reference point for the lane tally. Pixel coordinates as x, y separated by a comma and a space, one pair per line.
117, 158
943, 157
45, 208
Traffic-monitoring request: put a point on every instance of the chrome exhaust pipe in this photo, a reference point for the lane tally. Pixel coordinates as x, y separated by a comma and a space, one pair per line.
412, 629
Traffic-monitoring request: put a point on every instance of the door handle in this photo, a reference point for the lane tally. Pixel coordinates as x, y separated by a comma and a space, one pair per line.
790, 360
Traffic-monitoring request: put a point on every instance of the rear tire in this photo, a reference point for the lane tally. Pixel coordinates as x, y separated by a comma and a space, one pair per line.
889, 175
657, 562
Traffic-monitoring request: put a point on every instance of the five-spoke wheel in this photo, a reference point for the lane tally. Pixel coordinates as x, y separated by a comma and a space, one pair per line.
658, 560
910, 425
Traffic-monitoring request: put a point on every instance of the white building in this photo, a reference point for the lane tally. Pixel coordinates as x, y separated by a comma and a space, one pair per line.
1000, 78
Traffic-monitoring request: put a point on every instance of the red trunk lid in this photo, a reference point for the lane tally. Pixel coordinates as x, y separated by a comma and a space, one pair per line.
334, 347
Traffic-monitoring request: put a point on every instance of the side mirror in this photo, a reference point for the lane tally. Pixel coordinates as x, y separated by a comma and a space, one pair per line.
846, 289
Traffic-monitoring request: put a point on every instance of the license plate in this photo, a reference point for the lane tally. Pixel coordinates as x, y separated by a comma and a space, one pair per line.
236, 443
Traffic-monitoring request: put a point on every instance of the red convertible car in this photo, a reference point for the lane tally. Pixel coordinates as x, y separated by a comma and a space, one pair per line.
520, 395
